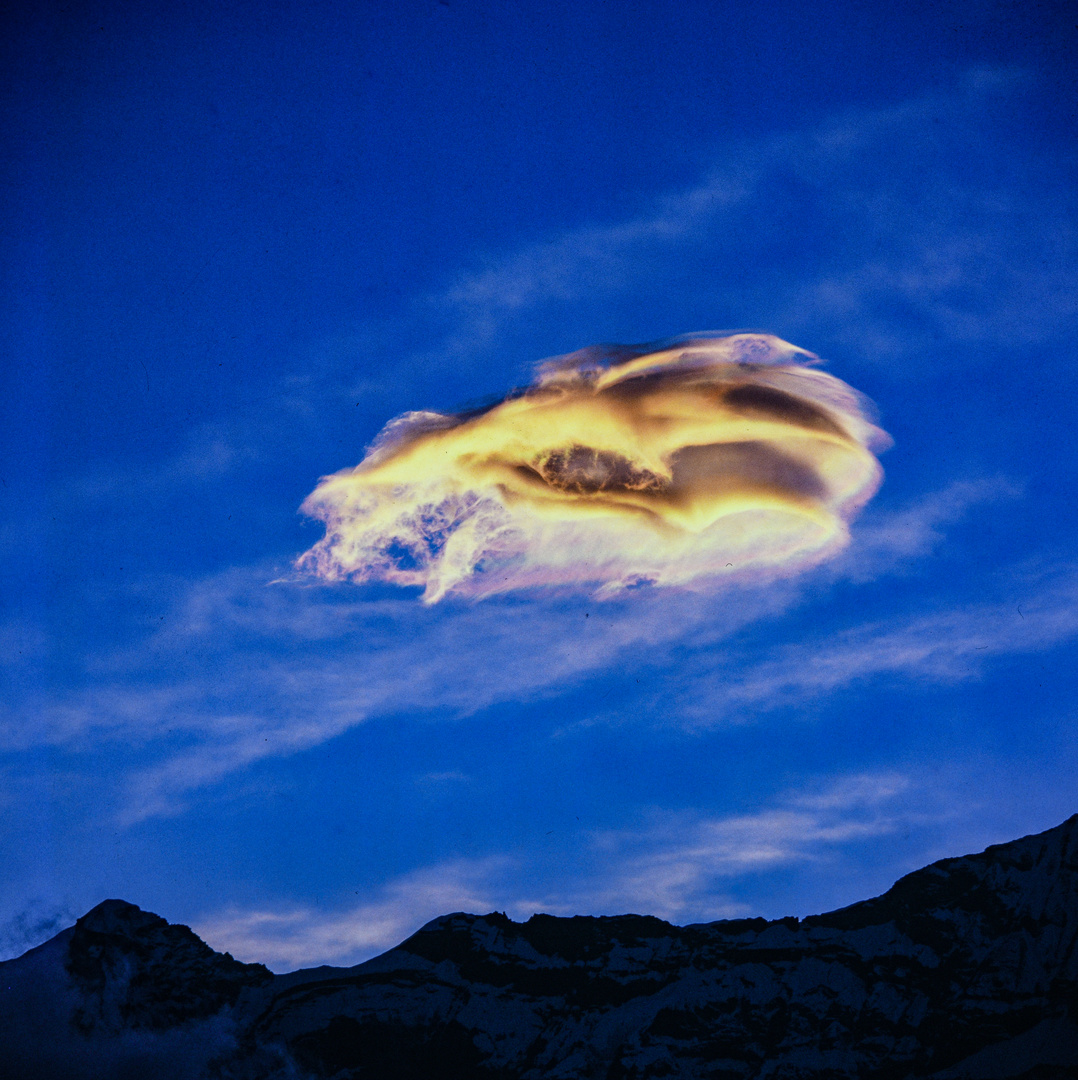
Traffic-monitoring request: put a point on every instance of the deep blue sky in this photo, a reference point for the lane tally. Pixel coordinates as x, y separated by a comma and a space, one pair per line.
236, 243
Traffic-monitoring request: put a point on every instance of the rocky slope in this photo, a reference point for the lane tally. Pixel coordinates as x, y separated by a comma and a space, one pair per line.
968, 968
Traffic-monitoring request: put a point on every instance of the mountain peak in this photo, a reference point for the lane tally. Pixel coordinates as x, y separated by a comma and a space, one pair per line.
119, 917
134, 969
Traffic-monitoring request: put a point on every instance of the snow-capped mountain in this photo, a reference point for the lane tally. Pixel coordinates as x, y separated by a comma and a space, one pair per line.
967, 968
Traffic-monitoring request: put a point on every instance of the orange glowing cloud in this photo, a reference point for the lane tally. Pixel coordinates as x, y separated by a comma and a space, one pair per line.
704, 458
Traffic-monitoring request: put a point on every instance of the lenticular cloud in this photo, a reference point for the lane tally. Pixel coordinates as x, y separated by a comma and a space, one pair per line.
686, 462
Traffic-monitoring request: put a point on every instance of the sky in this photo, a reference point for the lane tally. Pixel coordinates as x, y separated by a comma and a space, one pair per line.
238, 243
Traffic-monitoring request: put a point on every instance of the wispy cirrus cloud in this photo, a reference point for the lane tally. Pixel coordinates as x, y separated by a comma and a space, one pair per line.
586, 261
34, 923
836, 839
242, 671
275, 696
944, 647
286, 938
677, 866
921, 237
899, 236
897, 539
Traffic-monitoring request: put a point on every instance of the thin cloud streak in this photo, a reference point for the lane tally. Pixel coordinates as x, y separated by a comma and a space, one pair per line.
973, 264
672, 869
890, 542
904, 237
950, 646
261, 672
679, 868
408, 663
36, 922
293, 937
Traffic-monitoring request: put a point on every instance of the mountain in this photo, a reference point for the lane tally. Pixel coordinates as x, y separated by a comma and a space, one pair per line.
965, 969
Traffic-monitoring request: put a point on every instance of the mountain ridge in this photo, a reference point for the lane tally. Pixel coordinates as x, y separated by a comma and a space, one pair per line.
965, 968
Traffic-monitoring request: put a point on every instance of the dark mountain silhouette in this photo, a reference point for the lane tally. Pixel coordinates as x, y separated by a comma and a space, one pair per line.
965, 969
